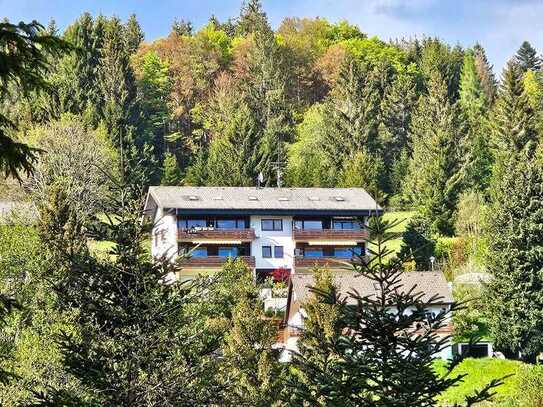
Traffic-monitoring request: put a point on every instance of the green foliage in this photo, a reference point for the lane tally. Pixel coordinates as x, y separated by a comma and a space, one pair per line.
361, 358
528, 383
513, 297
171, 175
418, 242
435, 171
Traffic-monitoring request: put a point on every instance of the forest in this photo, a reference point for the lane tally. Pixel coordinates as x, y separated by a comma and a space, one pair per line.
93, 115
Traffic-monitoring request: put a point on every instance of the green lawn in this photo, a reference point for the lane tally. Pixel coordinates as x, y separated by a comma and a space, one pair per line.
402, 216
481, 372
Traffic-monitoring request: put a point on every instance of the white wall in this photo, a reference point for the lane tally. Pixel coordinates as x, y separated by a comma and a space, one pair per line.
166, 227
273, 238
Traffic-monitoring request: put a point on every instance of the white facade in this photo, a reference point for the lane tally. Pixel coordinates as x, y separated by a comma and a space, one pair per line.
273, 238
164, 235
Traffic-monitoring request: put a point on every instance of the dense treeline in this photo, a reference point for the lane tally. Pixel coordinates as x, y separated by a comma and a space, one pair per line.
418, 123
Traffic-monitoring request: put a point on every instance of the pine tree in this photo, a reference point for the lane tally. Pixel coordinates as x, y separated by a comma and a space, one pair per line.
133, 34
513, 298
171, 174
474, 105
350, 114
318, 358
252, 366
252, 18
372, 356
435, 170
527, 58
394, 128
513, 124
182, 27
486, 74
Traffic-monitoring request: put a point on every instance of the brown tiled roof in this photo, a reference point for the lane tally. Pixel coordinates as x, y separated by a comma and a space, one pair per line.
429, 283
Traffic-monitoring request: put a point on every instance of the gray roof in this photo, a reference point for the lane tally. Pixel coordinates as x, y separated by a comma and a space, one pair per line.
251, 198
429, 283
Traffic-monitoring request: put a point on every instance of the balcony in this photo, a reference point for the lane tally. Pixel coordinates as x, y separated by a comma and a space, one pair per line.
212, 235
213, 261
309, 235
324, 261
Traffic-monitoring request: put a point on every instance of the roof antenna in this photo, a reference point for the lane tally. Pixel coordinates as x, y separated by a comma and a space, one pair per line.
259, 180
278, 166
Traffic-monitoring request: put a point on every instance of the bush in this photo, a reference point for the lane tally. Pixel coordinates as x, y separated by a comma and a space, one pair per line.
529, 386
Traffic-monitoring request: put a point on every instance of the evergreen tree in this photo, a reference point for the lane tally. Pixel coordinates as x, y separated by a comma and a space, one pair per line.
513, 298
265, 94
350, 114
435, 170
474, 106
376, 353
24, 50
527, 58
486, 73
513, 124
394, 128
418, 243
363, 171
251, 364
133, 34
171, 174
182, 27
252, 18
317, 348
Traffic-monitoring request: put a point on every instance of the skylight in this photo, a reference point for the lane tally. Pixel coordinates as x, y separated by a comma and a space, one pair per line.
314, 198
253, 198
339, 198
283, 198
193, 198
217, 198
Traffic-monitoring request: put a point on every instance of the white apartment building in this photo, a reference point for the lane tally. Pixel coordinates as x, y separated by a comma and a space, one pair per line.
290, 229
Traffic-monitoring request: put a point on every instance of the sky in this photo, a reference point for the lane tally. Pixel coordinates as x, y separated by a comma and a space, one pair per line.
499, 25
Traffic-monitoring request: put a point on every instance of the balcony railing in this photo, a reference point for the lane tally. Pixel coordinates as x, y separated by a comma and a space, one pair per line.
244, 235
213, 261
325, 261
305, 235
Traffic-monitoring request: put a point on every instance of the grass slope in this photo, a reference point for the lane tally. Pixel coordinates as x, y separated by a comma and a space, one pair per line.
480, 372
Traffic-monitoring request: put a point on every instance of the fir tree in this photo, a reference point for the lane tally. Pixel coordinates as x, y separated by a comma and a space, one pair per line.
394, 128
252, 18
350, 114
133, 34
171, 174
513, 124
474, 106
486, 74
182, 27
435, 170
513, 298
527, 58
374, 352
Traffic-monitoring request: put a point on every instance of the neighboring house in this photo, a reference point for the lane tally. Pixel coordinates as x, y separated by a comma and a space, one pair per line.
269, 228
429, 283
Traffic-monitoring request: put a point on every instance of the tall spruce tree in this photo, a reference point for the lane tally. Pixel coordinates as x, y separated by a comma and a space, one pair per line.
474, 106
351, 114
513, 298
486, 74
367, 350
513, 119
435, 170
133, 34
394, 129
252, 18
526, 57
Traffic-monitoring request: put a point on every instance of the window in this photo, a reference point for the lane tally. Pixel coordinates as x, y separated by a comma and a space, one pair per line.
230, 224
278, 252
228, 251
272, 224
308, 224
313, 253
347, 251
346, 224
266, 252
191, 223
199, 252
